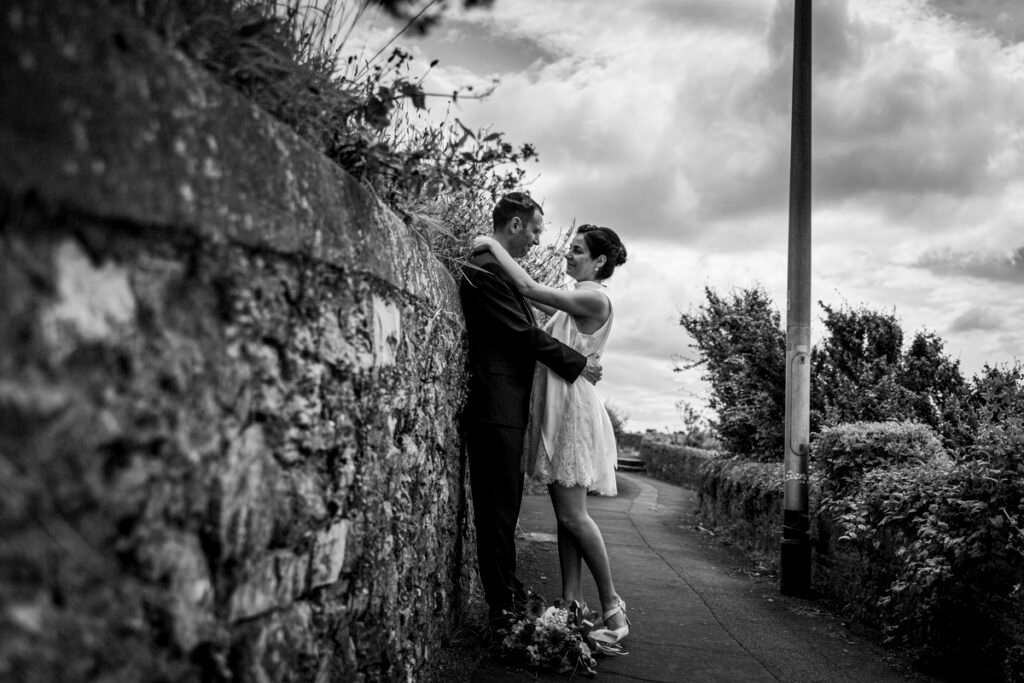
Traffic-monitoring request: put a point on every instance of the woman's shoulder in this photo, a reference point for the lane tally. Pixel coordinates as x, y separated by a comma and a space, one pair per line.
596, 292
592, 286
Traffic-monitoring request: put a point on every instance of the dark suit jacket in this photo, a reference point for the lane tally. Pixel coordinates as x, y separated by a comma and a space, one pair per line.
504, 345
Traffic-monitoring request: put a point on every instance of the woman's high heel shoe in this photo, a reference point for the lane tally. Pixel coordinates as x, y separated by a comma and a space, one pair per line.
581, 615
612, 636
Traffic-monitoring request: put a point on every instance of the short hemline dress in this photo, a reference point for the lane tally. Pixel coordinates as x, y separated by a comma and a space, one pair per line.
570, 440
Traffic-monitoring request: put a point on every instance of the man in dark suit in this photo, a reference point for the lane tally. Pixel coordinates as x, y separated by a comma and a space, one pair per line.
504, 345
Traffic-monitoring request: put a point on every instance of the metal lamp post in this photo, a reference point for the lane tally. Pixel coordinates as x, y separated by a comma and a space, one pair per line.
795, 554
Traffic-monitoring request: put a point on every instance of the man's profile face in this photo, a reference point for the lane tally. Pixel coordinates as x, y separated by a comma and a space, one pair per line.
528, 235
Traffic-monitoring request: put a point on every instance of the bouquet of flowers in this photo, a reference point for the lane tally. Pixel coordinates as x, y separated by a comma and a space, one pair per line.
554, 637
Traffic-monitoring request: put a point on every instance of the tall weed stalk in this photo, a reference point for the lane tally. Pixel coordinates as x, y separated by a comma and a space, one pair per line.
294, 58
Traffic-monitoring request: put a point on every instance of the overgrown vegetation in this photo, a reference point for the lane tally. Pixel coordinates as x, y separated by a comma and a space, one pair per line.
845, 453
945, 541
366, 112
742, 346
919, 472
861, 372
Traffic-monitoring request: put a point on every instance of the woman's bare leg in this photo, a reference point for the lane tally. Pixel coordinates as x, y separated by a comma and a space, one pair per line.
571, 563
583, 534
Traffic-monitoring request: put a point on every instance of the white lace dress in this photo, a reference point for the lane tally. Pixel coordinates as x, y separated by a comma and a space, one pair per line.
570, 440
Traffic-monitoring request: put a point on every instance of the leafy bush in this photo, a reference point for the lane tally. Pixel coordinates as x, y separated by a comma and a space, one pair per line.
843, 454
742, 500
674, 463
998, 397
950, 542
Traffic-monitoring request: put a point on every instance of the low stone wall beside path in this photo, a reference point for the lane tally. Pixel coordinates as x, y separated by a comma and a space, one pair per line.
738, 499
671, 462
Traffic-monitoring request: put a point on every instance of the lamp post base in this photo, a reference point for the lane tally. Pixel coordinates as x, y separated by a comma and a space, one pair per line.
795, 567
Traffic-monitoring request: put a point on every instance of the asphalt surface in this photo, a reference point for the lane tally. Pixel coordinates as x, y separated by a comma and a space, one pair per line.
700, 610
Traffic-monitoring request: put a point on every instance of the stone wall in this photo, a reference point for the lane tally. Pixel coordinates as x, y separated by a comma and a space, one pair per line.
228, 384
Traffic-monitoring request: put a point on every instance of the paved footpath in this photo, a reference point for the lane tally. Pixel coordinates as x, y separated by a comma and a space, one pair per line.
700, 611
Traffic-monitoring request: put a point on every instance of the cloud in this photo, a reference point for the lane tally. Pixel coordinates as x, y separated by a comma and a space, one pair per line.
904, 117
495, 51
997, 267
623, 128
837, 39
981, 318
647, 294
627, 133
713, 15
647, 390
670, 121
1001, 18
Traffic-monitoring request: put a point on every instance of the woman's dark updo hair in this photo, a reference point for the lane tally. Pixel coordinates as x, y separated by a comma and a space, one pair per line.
603, 242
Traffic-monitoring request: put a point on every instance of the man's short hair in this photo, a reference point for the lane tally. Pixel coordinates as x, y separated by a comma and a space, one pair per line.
514, 204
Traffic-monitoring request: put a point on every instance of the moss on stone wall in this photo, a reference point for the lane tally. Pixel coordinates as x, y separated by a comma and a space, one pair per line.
228, 387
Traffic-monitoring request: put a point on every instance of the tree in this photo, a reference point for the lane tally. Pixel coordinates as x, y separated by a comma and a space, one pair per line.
698, 430
854, 369
742, 347
860, 373
997, 395
938, 394
618, 417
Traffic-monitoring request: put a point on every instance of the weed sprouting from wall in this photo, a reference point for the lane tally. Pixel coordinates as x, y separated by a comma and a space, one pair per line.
299, 61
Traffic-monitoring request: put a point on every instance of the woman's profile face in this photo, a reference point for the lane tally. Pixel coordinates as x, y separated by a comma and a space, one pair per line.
579, 264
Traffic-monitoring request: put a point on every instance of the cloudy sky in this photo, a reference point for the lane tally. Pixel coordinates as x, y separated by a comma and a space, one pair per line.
669, 121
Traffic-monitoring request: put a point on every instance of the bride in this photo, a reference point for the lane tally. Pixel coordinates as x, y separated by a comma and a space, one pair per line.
570, 444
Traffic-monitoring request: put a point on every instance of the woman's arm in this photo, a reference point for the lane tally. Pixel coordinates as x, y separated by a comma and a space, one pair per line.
546, 310
580, 303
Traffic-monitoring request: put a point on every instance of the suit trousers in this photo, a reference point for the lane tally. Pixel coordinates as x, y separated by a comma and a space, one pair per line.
496, 480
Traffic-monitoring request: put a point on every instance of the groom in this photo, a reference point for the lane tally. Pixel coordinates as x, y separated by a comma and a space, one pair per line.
504, 345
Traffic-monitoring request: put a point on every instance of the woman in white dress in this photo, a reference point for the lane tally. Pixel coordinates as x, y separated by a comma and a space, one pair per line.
570, 444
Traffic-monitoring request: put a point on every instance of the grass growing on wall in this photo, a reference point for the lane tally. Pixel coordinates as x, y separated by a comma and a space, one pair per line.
366, 112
